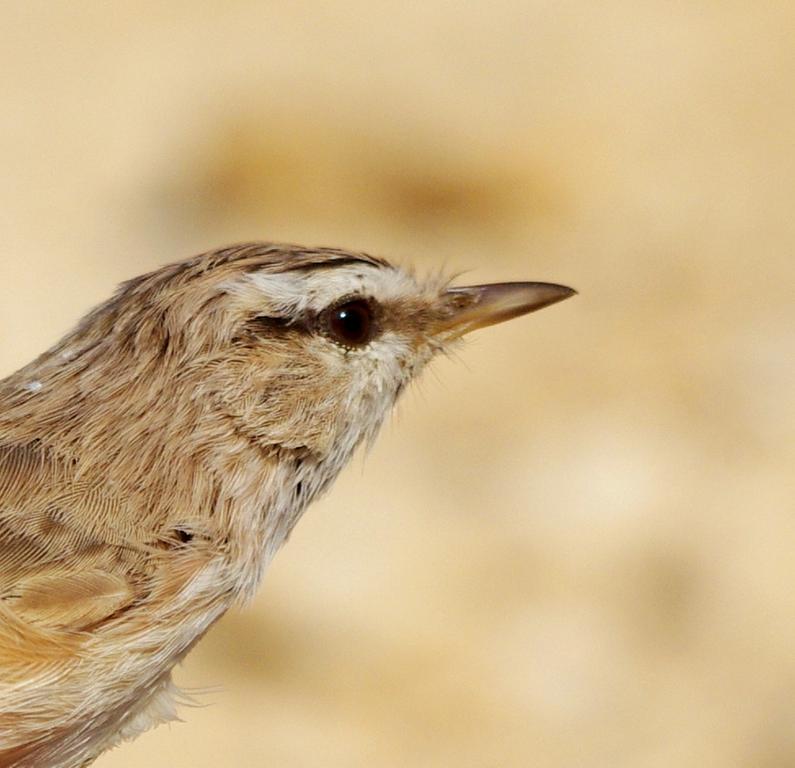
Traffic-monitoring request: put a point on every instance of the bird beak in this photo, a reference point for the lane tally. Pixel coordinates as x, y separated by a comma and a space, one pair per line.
478, 306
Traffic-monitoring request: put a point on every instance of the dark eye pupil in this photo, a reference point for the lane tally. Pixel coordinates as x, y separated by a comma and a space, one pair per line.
351, 324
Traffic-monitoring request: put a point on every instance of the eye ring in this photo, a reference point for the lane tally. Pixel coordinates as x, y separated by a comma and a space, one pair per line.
351, 323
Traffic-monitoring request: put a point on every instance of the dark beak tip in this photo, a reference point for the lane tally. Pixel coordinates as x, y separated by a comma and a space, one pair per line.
539, 295
565, 292
543, 295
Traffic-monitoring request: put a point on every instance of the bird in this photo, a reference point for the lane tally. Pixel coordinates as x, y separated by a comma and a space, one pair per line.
155, 459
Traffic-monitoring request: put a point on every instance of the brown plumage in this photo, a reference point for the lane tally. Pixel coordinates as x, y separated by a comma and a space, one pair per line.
153, 461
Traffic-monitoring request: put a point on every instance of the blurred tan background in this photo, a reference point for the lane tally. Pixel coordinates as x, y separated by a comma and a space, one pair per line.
574, 546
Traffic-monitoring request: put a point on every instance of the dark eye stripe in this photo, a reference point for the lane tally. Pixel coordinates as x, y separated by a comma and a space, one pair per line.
266, 322
351, 323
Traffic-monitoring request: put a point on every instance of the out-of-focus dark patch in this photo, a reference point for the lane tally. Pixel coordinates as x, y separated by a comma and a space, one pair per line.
660, 592
251, 166
458, 190
251, 647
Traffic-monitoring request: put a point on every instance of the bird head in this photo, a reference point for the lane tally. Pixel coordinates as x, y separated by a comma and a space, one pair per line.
317, 344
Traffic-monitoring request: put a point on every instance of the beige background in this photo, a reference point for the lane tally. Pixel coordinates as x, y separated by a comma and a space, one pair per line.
574, 546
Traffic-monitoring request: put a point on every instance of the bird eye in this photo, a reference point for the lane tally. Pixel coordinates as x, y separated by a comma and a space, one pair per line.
351, 324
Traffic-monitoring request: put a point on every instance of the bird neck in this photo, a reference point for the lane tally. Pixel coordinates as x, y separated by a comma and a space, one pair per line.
172, 453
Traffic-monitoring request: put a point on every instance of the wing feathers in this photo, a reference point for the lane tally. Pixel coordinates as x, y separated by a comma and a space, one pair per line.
67, 559
70, 600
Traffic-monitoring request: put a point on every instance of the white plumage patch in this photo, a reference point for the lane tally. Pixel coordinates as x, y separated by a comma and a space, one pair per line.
293, 292
159, 707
